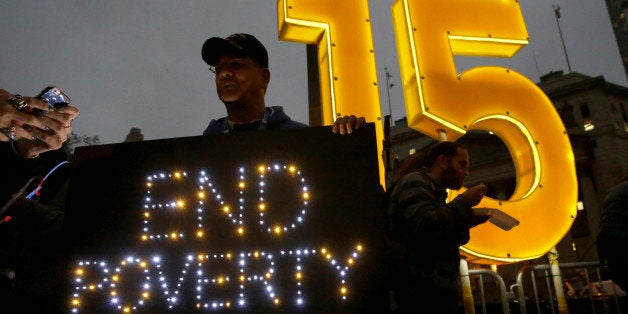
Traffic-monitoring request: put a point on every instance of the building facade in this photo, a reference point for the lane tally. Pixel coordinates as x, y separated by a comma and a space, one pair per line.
618, 13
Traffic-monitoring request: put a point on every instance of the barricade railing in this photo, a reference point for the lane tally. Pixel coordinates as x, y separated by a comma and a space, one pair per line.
593, 288
504, 295
584, 267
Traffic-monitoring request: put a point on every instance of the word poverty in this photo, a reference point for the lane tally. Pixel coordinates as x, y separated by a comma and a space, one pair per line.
175, 271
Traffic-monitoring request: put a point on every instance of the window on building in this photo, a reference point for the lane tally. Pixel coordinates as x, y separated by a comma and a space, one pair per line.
586, 117
566, 113
580, 205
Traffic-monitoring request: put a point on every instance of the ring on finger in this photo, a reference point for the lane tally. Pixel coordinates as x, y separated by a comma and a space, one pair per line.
18, 102
9, 132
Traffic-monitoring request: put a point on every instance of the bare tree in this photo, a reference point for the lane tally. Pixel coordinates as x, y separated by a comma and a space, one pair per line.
75, 140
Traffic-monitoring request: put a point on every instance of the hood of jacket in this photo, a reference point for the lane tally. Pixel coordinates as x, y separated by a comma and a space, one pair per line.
274, 118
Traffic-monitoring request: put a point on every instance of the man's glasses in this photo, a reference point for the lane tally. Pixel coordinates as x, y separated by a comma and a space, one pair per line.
233, 64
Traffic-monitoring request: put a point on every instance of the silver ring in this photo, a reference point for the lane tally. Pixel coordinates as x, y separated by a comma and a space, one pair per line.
18, 102
9, 132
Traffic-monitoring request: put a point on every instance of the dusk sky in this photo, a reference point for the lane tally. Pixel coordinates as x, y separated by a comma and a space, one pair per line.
137, 63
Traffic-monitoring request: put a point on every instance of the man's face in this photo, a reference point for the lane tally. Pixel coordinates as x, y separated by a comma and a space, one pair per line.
457, 170
240, 79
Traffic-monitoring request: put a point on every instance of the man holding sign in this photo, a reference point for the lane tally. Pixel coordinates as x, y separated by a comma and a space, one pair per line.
240, 63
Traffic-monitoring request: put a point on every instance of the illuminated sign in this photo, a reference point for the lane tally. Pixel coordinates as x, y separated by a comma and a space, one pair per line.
341, 30
441, 101
262, 221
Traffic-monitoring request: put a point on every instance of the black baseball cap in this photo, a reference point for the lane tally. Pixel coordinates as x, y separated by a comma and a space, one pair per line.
239, 44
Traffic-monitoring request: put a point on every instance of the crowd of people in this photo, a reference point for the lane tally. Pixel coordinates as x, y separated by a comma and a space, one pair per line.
32, 132
418, 218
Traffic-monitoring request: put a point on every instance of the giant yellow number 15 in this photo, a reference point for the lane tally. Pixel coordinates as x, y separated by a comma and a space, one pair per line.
439, 100
429, 33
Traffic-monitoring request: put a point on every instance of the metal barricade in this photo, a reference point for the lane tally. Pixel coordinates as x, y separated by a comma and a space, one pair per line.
602, 291
584, 267
503, 294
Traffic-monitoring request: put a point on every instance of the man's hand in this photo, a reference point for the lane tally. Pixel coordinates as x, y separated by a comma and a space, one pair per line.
11, 118
347, 124
474, 194
57, 125
479, 219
